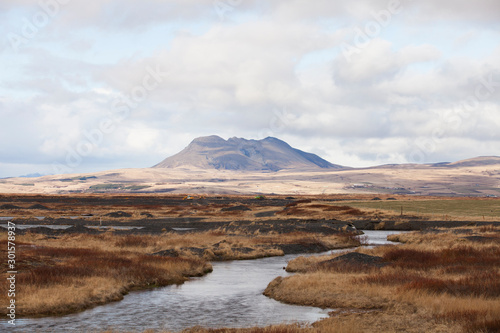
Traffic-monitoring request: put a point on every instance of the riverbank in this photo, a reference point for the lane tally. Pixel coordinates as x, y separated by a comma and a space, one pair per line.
230, 296
73, 272
173, 238
437, 281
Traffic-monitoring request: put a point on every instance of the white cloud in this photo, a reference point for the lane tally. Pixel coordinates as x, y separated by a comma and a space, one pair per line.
268, 68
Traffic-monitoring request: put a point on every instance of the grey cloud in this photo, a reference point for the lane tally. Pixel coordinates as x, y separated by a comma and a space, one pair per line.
241, 78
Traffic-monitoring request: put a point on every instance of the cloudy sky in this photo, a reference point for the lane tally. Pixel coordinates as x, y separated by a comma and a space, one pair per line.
94, 85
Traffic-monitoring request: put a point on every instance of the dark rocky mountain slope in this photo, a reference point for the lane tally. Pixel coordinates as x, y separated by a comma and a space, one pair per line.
269, 154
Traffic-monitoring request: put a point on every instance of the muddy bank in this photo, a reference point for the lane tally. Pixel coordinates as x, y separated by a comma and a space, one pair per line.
183, 225
155, 214
415, 224
142, 201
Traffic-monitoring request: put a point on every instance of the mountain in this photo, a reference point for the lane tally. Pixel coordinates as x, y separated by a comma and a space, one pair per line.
269, 154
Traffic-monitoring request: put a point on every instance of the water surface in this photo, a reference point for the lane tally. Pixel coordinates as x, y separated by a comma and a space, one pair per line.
230, 296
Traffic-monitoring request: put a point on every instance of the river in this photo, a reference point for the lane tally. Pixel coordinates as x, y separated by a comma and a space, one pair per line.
230, 296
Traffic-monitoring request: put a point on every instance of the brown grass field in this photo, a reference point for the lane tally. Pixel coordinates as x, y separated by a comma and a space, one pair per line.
472, 179
344, 207
456, 209
443, 281
439, 280
70, 273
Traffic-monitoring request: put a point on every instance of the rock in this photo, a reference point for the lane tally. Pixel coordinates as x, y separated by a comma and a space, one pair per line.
350, 228
148, 215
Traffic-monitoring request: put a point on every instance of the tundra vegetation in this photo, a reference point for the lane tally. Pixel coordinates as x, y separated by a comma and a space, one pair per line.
437, 281
72, 272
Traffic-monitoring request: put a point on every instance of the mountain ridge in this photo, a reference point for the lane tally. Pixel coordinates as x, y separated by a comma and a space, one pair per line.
212, 165
268, 155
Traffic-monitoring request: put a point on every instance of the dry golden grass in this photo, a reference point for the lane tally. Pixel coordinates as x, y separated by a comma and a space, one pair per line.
352, 207
77, 271
340, 327
81, 273
218, 242
439, 209
440, 278
295, 328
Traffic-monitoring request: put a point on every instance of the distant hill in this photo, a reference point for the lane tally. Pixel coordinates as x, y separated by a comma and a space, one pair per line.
256, 162
269, 154
473, 162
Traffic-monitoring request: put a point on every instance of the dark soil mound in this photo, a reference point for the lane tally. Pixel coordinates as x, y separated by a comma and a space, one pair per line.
295, 203
462, 231
166, 253
80, 229
338, 208
355, 259
119, 214
482, 239
391, 199
376, 198
235, 208
194, 250
9, 206
242, 249
302, 248
265, 214
37, 206
39, 230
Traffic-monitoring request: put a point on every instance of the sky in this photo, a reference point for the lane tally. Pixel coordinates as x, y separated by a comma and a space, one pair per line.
89, 86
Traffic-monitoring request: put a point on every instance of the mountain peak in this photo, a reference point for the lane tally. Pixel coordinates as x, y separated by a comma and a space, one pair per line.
269, 154
208, 140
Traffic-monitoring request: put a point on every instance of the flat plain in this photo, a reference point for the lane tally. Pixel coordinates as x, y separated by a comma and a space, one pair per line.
479, 177
444, 278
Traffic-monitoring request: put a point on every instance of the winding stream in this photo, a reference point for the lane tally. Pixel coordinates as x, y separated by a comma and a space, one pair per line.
230, 296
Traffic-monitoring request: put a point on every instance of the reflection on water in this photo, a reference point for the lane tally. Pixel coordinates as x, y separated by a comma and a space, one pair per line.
116, 227
231, 296
57, 226
27, 226
379, 237
183, 229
